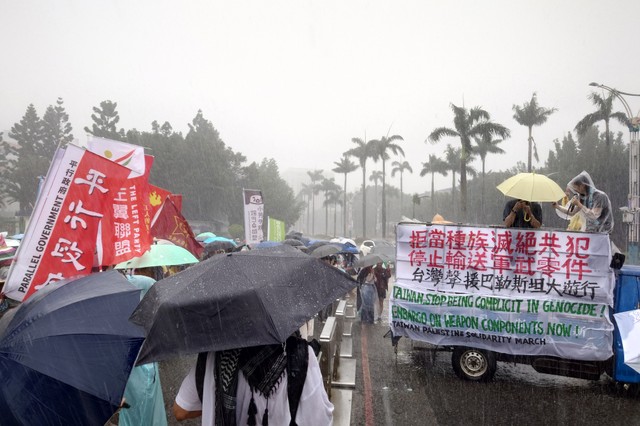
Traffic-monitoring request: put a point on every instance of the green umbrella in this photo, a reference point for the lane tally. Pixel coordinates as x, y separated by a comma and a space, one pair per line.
160, 255
204, 235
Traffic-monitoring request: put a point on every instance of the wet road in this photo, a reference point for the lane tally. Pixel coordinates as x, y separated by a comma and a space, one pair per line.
419, 387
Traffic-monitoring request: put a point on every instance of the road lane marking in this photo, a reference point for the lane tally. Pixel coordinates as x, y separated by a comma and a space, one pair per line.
366, 378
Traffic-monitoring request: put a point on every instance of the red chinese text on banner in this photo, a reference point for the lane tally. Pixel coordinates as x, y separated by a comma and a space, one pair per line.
61, 237
125, 233
171, 225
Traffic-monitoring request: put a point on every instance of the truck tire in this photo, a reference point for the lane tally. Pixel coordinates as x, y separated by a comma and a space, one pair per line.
477, 365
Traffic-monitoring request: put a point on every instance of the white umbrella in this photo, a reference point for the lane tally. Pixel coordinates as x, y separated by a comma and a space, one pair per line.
629, 328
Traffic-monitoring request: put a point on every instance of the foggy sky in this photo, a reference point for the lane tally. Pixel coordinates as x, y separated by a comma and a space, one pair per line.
296, 80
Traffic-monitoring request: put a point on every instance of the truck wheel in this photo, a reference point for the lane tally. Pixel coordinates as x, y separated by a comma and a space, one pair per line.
473, 364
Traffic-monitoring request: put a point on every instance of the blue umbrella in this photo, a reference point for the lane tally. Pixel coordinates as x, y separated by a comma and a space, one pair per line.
67, 351
266, 244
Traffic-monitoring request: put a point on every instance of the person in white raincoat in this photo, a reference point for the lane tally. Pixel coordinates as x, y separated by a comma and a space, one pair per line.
592, 203
568, 211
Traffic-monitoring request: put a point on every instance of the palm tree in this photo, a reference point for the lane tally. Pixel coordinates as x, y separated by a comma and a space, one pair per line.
604, 113
307, 190
399, 167
433, 166
362, 152
327, 186
333, 199
315, 176
345, 166
375, 177
382, 148
468, 124
486, 145
529, 115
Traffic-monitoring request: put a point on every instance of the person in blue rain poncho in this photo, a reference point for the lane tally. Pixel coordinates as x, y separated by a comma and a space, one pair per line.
143, 394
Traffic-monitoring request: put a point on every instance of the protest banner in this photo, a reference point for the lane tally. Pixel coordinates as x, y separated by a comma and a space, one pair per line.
125, 233
516, 291
275, 229
60, 240
253, 215
169, 224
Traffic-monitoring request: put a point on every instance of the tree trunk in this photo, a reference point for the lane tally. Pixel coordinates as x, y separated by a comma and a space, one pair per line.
326, 215
384, 201
463, 186
364, 202
530, 149
335, 218
344, 208
401, 194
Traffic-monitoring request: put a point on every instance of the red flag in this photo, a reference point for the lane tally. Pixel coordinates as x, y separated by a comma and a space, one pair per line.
171, 225
157, 196
125, 231
61, 236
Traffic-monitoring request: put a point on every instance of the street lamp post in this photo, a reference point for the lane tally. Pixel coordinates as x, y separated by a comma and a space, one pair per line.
630, 212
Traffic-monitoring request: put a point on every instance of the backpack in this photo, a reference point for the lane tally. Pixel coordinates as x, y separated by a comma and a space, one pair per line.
297, 364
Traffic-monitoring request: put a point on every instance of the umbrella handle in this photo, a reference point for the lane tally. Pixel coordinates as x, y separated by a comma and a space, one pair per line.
527, 218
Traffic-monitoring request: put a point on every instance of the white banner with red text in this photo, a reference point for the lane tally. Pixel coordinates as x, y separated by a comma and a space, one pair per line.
516, 291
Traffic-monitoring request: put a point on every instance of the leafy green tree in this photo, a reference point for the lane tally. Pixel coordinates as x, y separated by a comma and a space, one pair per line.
345, 166
433, 166
381, 148
485, 144
26, 162
105, 122
236, 231
416, 202
316, 177
604, 112
56, 129
531, 114
363, 151
399, 167
279, 198
468, 124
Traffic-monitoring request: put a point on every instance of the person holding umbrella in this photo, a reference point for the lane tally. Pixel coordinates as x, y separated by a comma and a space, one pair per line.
239, 311
522, 214
268, 384
382, 275
528, 190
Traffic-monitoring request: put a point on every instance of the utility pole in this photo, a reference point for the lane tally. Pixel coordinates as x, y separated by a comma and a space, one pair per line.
631, 210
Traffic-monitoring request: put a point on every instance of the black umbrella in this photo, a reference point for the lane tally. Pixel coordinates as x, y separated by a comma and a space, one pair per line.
67, 351
324, 251
371, 259
211, 248
293, 242
237, 300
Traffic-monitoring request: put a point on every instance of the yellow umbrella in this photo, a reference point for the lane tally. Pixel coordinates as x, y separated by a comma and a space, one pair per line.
531, 187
